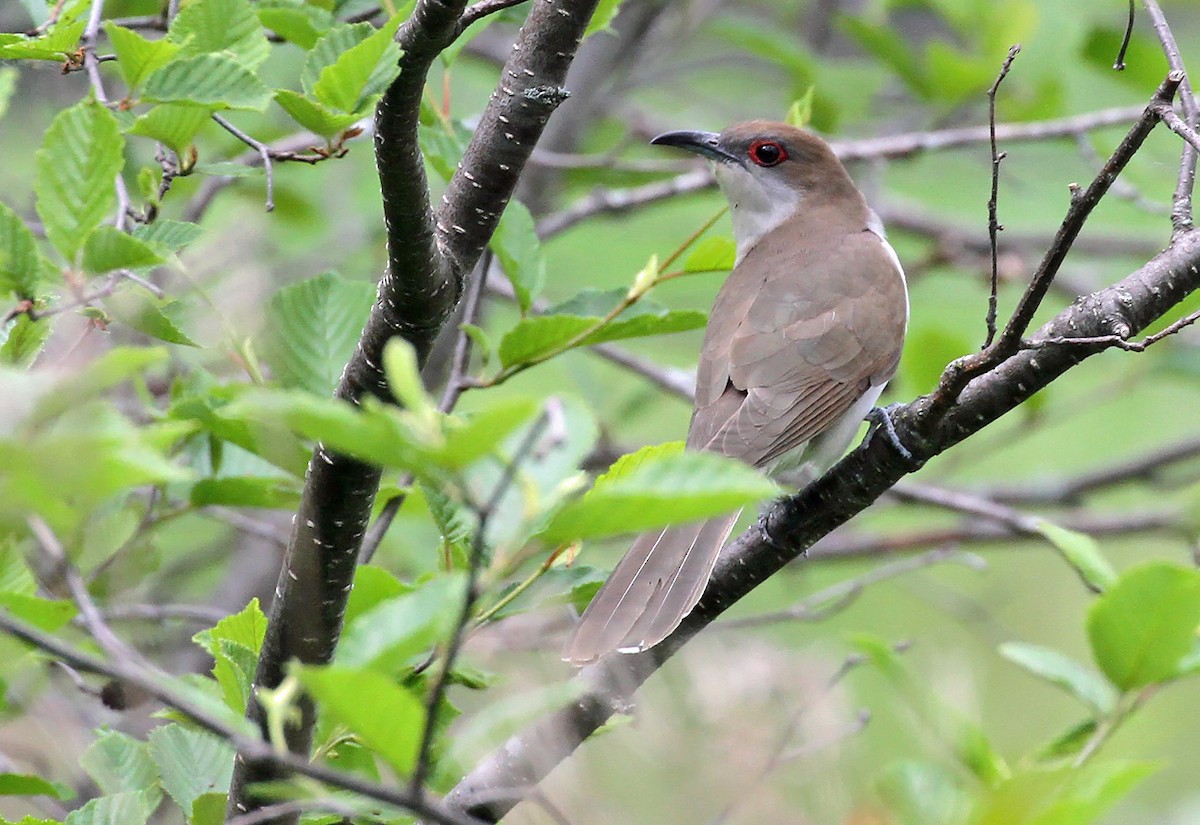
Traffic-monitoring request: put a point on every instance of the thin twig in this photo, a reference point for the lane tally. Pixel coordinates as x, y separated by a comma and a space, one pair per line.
264, 152
1118, 341
1119, 63
250, 748
91, 64
1181, 211
470, 596
199, 613
994, 226
482, 9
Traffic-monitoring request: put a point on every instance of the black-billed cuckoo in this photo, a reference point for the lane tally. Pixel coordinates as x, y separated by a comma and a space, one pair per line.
803, 336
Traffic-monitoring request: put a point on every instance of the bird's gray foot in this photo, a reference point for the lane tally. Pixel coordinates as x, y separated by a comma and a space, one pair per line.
880, 419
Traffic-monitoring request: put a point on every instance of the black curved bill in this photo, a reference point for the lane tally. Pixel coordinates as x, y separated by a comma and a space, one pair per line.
702, 143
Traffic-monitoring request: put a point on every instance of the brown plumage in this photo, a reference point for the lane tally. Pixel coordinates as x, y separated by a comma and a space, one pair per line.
804, 333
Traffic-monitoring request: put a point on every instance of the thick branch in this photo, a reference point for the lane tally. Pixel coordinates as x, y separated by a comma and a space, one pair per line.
427, 260
794, 524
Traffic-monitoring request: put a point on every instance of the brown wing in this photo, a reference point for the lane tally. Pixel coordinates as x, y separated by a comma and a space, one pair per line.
795, 343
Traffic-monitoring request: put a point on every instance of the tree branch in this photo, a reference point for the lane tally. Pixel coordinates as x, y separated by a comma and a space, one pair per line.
427, 260
795, 523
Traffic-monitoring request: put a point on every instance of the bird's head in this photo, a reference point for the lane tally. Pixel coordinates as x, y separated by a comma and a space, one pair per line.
768, 171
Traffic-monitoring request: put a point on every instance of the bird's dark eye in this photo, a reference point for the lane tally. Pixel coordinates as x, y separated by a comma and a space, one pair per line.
767, 152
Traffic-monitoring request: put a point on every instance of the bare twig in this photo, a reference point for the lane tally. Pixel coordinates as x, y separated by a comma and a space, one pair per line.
1181, 212
251, 749
482, 9
994, 226
1118, 341
958, 374
1119, 63
264, 152
91, 64
470, 595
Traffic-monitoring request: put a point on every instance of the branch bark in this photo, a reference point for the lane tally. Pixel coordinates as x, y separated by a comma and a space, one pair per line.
428, 257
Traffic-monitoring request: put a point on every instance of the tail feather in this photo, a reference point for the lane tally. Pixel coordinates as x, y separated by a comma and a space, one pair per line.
653, 587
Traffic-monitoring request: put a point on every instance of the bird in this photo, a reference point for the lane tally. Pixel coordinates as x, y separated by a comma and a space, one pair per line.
804, 333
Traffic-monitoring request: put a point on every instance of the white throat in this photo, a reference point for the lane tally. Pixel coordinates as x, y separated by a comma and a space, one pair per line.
757, 204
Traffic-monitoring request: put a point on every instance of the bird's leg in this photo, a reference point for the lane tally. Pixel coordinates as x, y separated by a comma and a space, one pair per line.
880, 419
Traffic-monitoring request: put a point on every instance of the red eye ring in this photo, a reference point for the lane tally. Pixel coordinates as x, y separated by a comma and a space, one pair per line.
767, 152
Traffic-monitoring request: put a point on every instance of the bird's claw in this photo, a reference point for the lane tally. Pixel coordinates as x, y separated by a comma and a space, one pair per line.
881, 420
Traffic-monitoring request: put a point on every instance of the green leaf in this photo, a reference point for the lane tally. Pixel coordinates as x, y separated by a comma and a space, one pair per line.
453, 521
272, 492
23, 784
1080, 681
658, 490
361, 72
482, 341
207, 80
168, 234
312, 329
294, 20
386, 636
56, 44
1068, 796
384, 716
191, 762
372, 587
247, 627
312, 115
148, 315
471, 437
117, 762
1082, 552
136, 56
800, 112
20, 264
519, 252
404, 377
74, 170
108, 248
1068, 744
127, 808
8, 85
234, 643
230, 27
923, 793
716, 253
533, 339
332, 45
46, 614
23, 340
174, 124
1145, 624
602, 17
209, 809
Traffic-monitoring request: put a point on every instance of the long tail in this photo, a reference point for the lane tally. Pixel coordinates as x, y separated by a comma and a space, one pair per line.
653, 587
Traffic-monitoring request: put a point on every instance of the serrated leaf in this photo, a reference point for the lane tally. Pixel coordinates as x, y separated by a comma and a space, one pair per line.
384, 716
74, 170
191, 762
247, 627
332, 45
716, 253
519, 252
452, 519
137, 57
221, 26
1082, 682
386, 636
1145, 624
207, 80
23, 340
294, 20
23, 784
168, 234
312, 115
126, 808
117, 762
312, 329
108, 248
577, 323
60, 41
667, 489
148, 315
19, 261
174, 124
361, 72
1082, 552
